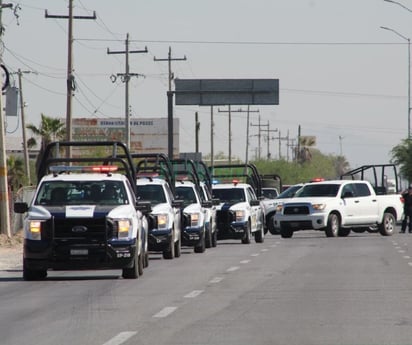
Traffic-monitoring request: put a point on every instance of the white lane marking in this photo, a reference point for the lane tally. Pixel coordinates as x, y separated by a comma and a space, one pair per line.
256, 254
244, 261
264, 250
193, 294
216, 280
120, 338
406, 257
273, 245
401, 251
398, 247
410, 263
165, 312
232, 269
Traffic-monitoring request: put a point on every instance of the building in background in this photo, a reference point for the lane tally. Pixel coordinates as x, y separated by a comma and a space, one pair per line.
147, 135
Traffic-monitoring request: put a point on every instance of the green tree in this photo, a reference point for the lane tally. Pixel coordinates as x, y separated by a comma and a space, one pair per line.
402, 156
16, 174
50, 129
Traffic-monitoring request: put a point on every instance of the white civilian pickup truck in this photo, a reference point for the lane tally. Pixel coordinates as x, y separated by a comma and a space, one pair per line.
338, 206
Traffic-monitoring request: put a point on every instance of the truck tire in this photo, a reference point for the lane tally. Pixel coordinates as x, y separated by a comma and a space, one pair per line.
178, 248
271, 226
387, 227
169, 252
29, 274
332, 228
133, 272
260, 236
208, 234
247, 235
214, 239
344, 232
286, 231
201, 246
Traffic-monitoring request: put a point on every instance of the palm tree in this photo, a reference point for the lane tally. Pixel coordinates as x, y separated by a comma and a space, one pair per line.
50, 129
341, 165
16, 173
402, 156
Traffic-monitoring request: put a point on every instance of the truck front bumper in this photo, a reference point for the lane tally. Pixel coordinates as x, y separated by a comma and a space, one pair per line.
316, 221
42, 255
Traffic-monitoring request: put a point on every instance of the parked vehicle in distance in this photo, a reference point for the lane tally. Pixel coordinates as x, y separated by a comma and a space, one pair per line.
338, 206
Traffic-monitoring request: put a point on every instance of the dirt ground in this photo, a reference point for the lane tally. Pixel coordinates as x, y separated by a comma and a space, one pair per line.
11, 242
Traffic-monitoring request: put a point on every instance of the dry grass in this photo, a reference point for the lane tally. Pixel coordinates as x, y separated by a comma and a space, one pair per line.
9, 242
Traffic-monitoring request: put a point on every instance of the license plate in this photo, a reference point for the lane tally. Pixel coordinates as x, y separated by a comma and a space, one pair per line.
79, 251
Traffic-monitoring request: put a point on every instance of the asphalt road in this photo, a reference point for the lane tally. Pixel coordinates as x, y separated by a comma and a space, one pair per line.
305, 290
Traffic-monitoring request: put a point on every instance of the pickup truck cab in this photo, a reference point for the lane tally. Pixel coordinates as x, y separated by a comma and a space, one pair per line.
338, 206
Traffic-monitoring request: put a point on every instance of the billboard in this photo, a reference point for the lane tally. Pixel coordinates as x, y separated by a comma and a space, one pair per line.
147, 135
227, 91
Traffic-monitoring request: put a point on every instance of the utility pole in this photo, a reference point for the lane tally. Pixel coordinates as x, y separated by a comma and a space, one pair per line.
23, 125
259, 136
230, 111
197, 129
4, 190
169, 59
126, 78
268, 131
70, 76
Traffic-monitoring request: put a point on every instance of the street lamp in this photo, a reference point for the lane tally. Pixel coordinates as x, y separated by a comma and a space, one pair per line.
409, 73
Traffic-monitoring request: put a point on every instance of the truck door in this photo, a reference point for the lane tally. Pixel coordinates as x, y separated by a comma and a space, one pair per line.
367, 206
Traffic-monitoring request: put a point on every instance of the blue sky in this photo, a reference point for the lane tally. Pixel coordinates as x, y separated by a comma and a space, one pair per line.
342, 78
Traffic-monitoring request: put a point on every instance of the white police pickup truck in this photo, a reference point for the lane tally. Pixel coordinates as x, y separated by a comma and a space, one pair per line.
240, 214
84, 214
338, 206
155, 183
195, 213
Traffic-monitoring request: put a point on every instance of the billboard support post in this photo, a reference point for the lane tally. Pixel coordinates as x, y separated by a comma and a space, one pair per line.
170, 123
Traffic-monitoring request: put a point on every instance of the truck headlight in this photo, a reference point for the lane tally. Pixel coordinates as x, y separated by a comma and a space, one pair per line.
35, 229
194, 219
162, 221
279, 208
319, 207
124, 226
240, 215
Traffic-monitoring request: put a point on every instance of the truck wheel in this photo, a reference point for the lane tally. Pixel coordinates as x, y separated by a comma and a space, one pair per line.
387, 227
271, 226
214, 238
285, 231
201, 246
343, 232
29, 274
247, 235
169, 253
178, 248
133, 272
259, 236
208, 234
332, 228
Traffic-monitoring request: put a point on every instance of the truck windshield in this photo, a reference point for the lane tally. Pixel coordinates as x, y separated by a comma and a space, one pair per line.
61, 193
153, 193
232, 195
313, 190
